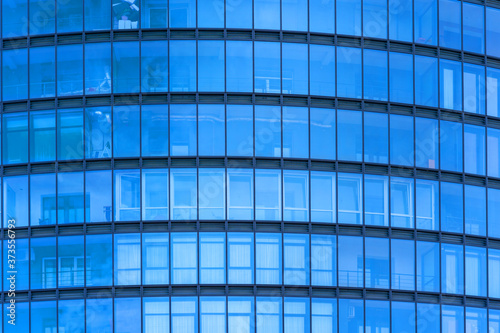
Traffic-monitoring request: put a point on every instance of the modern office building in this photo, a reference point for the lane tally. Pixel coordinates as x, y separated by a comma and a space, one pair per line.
251, 166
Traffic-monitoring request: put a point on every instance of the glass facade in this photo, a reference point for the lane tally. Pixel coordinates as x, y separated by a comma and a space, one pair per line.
250, 166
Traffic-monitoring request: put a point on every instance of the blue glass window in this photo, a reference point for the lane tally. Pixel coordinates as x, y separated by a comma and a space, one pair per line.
451, 146
450, 23
400, 20
97, 68
184, 314
294, 15
473, 27
211, 130
155, 194
126, 66
22, 318
349, 69
210, 14
154, 14
492, 31
182, 65
350, 137
22, 262
98, 132
350, 258
212, 257
156, 314
212, 314
267, 131
428, 266
97, 15
493, 271
99, 251
474, 149
377, 316
239, 65
241, 314
69, 70
425, 21
452, 319
295, 259
494, 320
428, 318
402, 202
69, 16
98, 196
15, 200
297, 315
474, 88
323, 203
403, 264
43, 263
475, 271
99, 315
15, 138
452, 219
492, 93
376, 140
324, 315
127, 195
349, 17
239, 125
154, 66
126, 131
70, 197
375, 18
127, 259
71, 315
267, 67
212, 194
322, 66
322, 126
450, 84
43, 199
155, 255
44, 314
42, 136
210, 65
350, 198
154, 130
323, 260
493, 212
183, 194
184, 259
13, 24
476, 319
182, 130
295, 68
269, 314
71, 267
268, 195
15, 73
376, 200
267, 14
401, 77
42, 16
239, 14
403, 316
401, 140
426, 143
351, 315
240, 194
240, 258
42, 72
322, 16
127, 315
295, 132
182, 14
268, 258
376, 262
69, 134
452, 269
426, 80
375, 74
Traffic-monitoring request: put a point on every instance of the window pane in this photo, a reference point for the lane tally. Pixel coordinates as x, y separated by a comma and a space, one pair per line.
154, 122
322, 124
375, 18
378, 316
294, 15
22, 264
127, 315
42, 16
350, 261
296, 259
450, 23
428, 266
126, 131
476, 320
15, 200
98, 196
494, 320
492, 31
267, 67
97, 15
70, 266
99, 315
154, 14
493, 212
42, 72
240, 256
452, 319
267, 14
210, 65
401, 140
426, 143
155, 314
126, 65
324, 315
22, 318
401, 77
492, 93
44, 314
43, 199
351, 315
295, 68
70, 134
323, 260
213, 314
239, 65
127, 195
376, 200
240, 314
474, 88
403, 264
475, 271
376, 137
240, 194
15, 73
402, 202
349, 17
375, 74
425, 21
127, 259
452, 269
98, 253
269, 315
297, 315
428, 318
295, 132
212, 194
183, 194
154, 65
473, 27
182, 14
12, 12
210, 14
43, 263
182, 65
322, 66
97, 68
493, 271
403, 317
350, 138
69, 16
239, 14
42, 136
69, 70
376, 263
268, 258
70, 197
15, 138
184, 314
348, 68
450, 84
155, 194
184, 259
474, 149
267, 131
98, 132
451, 146
155, 254
350, 197
400, 20
182, 130
296, 195
426, 79
239, 130
268, 195
71, 315
322, 16
323, 202
212, 257
211, 130
452, 207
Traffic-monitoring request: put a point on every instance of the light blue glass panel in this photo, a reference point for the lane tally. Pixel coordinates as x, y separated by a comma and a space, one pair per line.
492, 31
97, 68
210, 65
15, 74
43, 316
349, 70
400, 20
155, 314
323, 202
69, 16
127, 259
426, 143
69, 70
295, 68
98, 196
182, 13
43, 199
492, 93
401, 76
451, 145
127, 315
322, 127
183, 194
378, 316
323, 260
377, 263
155, 255
43, 263
452, 269
71, 315
19, 248
475, 210
375, 74
99, 315
210, 14
350, 137
239, 126
349, 17
428, 266
322, 67
295, 132
296, 259
322, 16
403, 317
452, 319
15, 201
239, 66
476, 320
212, 314
474, 88
474, 149
267, 131
239, 14
297, 315
450, 24
212, 258
97, 15
154, 14
211, 130
241, 314
240, 258
42, 136
71, 265
350, 198
376, 200
493, 212
294, 15
182, 130
240, 194
425, 16
269, 315
184, 314
473, 27
126, 131
375, 18
494, 320
493, 273
22, 318
267, 67
268, 194
350, 258
212, 194
98, 254
183, 258
42, 72
15, 138
182, 65
376, 138
351, 315
154, 194
14, 18
450, 84
267, 14
154, 66
452, 217
126, 66
403, 264
402, 151
268, 258
127, 193
324, 315
70, 134
426, 81
154, 130
475, 271
428, 318
42, 17
402, 202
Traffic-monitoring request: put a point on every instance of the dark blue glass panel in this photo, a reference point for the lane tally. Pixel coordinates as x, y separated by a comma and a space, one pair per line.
295, 68
425, 16
98, 132
402, 152
349, 17
15, 200
15, 138
211, 194
323, 260
322, 16
427, 204
350, 198
70, 198
492, 31
240, 194
183, 194
376, 138
155, 194
403, 264
473, 27
267, 67
69, 16
212, 257
378, 316
452, 217
97, 68
376, 200
268, 192
22, 318
43, 199
375, 18
99, 251
14, 18
154, 14
126, 131
451, 146
239, 119
349, 72
154, 130
182, 13
322, 126
239, 14
98, 196
20, 249
42, 136
323, 203
154, 66
452, 269
184, 260
350, 258
127, 259
42, 17
403, 317
350, 137
182, 65
210, 65
267, 14
43, 316
211, 130
42, 72
294, 15
492, 93
400, 20
99, 315
182, 130
69, 134
15, 74
474, 149
428, 318
295, 132
401, 77
351, 315
239, 66
402, 200
267, 131
69, 70
295, 195
126, 66
376, 263
428, 271
322, 67
426, 81
71, 266
71, 315
450, 84
210, 14
450, 24
43, 263
127, 195
474, 88
97, 14
426, 143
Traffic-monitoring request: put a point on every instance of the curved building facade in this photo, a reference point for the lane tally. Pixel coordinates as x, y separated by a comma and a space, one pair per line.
250, 166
